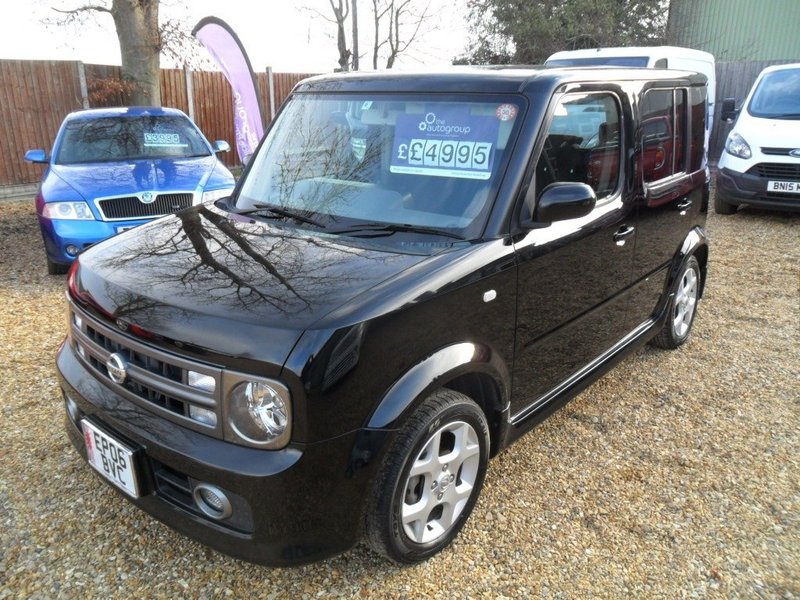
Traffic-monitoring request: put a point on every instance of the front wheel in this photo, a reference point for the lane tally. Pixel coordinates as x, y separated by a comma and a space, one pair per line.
682, 307
430, 479
54, 268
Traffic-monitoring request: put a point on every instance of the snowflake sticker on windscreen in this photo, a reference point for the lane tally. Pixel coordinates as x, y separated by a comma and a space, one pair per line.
445, 142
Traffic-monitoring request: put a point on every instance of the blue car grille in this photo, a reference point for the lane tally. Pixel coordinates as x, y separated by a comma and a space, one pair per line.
130, 207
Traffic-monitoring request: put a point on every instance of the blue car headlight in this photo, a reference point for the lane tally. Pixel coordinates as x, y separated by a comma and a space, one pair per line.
69, 211
213, 195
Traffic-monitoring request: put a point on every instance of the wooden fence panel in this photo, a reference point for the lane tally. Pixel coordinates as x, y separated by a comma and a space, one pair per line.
213, 110
173, 89
734, 80
35, 96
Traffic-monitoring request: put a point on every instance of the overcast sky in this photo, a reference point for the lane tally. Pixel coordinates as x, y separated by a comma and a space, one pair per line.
276, 33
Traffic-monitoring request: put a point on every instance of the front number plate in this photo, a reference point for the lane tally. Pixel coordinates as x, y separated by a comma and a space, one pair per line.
110, 458
787, 187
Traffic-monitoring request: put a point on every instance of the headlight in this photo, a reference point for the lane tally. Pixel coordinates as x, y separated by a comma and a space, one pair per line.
72, 211
260, 413
737, 146
212, 195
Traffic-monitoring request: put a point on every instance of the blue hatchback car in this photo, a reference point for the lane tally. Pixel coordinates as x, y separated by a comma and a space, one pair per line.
115, 168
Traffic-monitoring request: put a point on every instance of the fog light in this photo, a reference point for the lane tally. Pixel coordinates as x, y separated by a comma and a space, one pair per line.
72, 408
212, 501
201, 381
72, 250
203, 415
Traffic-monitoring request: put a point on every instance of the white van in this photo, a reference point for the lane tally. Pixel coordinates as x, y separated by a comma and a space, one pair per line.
656, 57
761, 162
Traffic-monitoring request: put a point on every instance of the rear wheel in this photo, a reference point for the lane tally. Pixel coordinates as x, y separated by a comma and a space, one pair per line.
721, 207
56, 268
682, 307
430, 480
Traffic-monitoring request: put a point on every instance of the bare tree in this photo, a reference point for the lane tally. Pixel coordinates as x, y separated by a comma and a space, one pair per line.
404, 23
355, 35
136, 22
341, 10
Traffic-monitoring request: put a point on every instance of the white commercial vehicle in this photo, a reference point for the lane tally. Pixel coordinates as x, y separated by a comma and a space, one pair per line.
656, 57
761, 162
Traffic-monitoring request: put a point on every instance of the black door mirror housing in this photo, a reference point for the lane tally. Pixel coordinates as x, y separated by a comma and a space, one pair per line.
560, 201
729, 112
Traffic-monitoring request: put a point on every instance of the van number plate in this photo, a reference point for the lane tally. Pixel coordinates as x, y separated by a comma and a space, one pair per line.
110, 458
787, 187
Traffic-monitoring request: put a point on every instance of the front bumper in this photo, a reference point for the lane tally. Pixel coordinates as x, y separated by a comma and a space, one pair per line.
744, 188
60, 233
291, 506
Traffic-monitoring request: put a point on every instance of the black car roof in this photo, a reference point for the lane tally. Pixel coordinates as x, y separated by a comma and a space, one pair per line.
490, 79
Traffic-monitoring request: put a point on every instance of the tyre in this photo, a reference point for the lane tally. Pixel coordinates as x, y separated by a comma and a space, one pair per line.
721, 207
682, 307
430, 479
56, 268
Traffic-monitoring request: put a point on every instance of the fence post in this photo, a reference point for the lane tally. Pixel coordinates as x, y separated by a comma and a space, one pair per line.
187, 75
271, 84
82, 83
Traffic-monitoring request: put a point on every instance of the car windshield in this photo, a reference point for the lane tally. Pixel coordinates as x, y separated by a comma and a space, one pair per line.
777, 95
129, 138
417, 164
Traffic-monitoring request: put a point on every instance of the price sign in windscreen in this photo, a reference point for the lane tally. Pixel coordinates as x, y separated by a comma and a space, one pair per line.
445, 142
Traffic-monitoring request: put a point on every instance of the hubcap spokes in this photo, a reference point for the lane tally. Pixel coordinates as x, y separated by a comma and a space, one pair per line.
441, 482
685, 303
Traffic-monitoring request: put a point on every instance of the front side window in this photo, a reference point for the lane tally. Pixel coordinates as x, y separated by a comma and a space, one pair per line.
582, 144
663, 133
777, 96
129, 138
350, 161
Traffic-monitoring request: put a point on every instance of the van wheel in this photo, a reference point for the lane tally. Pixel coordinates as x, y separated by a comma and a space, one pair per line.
682, 307
56, 268
721, 207
430, 479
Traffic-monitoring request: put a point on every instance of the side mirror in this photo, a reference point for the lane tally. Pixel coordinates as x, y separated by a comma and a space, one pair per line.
36, 156
729, 112
560, 201
221, 146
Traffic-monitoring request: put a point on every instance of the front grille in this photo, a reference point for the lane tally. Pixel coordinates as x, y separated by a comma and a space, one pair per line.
777, 151
131, 207
155, 379
776, 170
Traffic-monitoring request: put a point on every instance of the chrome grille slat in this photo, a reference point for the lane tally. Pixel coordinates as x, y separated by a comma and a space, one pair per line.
156, 379
131, 207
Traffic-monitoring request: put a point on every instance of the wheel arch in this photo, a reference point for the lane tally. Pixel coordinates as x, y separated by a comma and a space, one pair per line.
695, 244
470, 368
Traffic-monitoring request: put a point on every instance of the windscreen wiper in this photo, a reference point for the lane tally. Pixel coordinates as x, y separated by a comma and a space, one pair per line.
278, 211
382, 229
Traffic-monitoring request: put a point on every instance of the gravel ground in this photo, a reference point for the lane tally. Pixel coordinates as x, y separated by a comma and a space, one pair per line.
674, 476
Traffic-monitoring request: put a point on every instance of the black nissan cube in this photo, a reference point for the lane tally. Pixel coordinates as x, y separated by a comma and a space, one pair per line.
413, 271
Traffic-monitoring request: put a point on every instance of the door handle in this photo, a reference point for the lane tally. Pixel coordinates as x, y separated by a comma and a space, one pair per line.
684, 206
623, 233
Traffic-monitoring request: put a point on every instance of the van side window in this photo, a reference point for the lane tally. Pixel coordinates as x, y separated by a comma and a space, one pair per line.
582, 144
663, 133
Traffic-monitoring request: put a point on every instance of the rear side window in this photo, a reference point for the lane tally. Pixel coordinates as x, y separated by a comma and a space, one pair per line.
582, 144
662, 133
